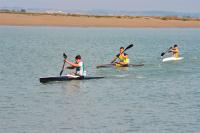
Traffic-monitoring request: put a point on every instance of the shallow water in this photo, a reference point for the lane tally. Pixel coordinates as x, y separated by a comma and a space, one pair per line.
159, 97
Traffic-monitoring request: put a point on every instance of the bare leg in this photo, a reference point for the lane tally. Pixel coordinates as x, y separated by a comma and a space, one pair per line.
72, 75
122, 63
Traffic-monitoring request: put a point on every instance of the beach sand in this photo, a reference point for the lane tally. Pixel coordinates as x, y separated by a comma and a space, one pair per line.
75, 20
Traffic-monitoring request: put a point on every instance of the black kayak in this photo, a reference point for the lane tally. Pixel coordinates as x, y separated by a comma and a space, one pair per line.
118, 66
66, 78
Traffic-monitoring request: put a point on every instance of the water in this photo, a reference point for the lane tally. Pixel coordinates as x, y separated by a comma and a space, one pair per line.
159, 97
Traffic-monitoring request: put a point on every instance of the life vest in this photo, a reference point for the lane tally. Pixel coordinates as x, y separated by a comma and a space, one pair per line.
123, 59
175, 52
80, 70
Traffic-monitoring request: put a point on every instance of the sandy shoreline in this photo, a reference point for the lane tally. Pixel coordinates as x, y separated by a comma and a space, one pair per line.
43, 19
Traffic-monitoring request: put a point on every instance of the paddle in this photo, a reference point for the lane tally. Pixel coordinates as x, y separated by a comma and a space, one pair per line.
163, 53
128, 47
65, 57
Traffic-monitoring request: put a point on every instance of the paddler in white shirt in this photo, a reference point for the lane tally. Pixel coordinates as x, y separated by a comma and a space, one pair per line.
78, 65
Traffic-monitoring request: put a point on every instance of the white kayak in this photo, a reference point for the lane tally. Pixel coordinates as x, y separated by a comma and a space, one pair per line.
172, 59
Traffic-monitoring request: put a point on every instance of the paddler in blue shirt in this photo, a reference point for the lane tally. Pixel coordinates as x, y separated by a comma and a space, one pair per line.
78, 65
122, 57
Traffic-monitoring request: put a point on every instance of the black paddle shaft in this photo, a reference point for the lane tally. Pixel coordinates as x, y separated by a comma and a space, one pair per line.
163, 53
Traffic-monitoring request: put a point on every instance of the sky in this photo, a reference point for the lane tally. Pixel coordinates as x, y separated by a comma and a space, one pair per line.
115, 5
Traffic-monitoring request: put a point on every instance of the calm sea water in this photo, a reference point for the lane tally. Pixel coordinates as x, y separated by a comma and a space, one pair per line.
156, 98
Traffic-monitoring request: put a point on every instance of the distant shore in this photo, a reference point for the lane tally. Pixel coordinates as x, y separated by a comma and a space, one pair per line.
77, 20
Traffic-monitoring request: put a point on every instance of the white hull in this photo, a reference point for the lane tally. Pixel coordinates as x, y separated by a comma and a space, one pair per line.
172, 59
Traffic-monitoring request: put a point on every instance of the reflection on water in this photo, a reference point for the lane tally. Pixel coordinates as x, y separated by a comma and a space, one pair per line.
122, 68
72, 86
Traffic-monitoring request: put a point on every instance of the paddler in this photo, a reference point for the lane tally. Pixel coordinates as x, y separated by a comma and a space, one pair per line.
175, 51
122, 57
78, 65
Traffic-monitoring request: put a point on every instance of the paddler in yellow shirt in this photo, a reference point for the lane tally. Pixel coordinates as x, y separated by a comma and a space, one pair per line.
122, 57
175, 51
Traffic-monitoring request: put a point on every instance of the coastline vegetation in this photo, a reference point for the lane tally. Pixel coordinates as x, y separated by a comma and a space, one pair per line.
164, 18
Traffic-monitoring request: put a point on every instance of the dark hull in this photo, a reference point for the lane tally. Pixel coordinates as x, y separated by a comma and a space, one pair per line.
113, 65
65, 78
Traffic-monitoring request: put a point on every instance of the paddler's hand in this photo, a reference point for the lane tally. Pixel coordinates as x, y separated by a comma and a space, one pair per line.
170, 49
65, 60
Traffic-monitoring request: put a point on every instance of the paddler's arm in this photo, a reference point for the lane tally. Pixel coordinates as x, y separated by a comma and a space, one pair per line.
174, 50
170, 50
70, 67
125, 56
71, 63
